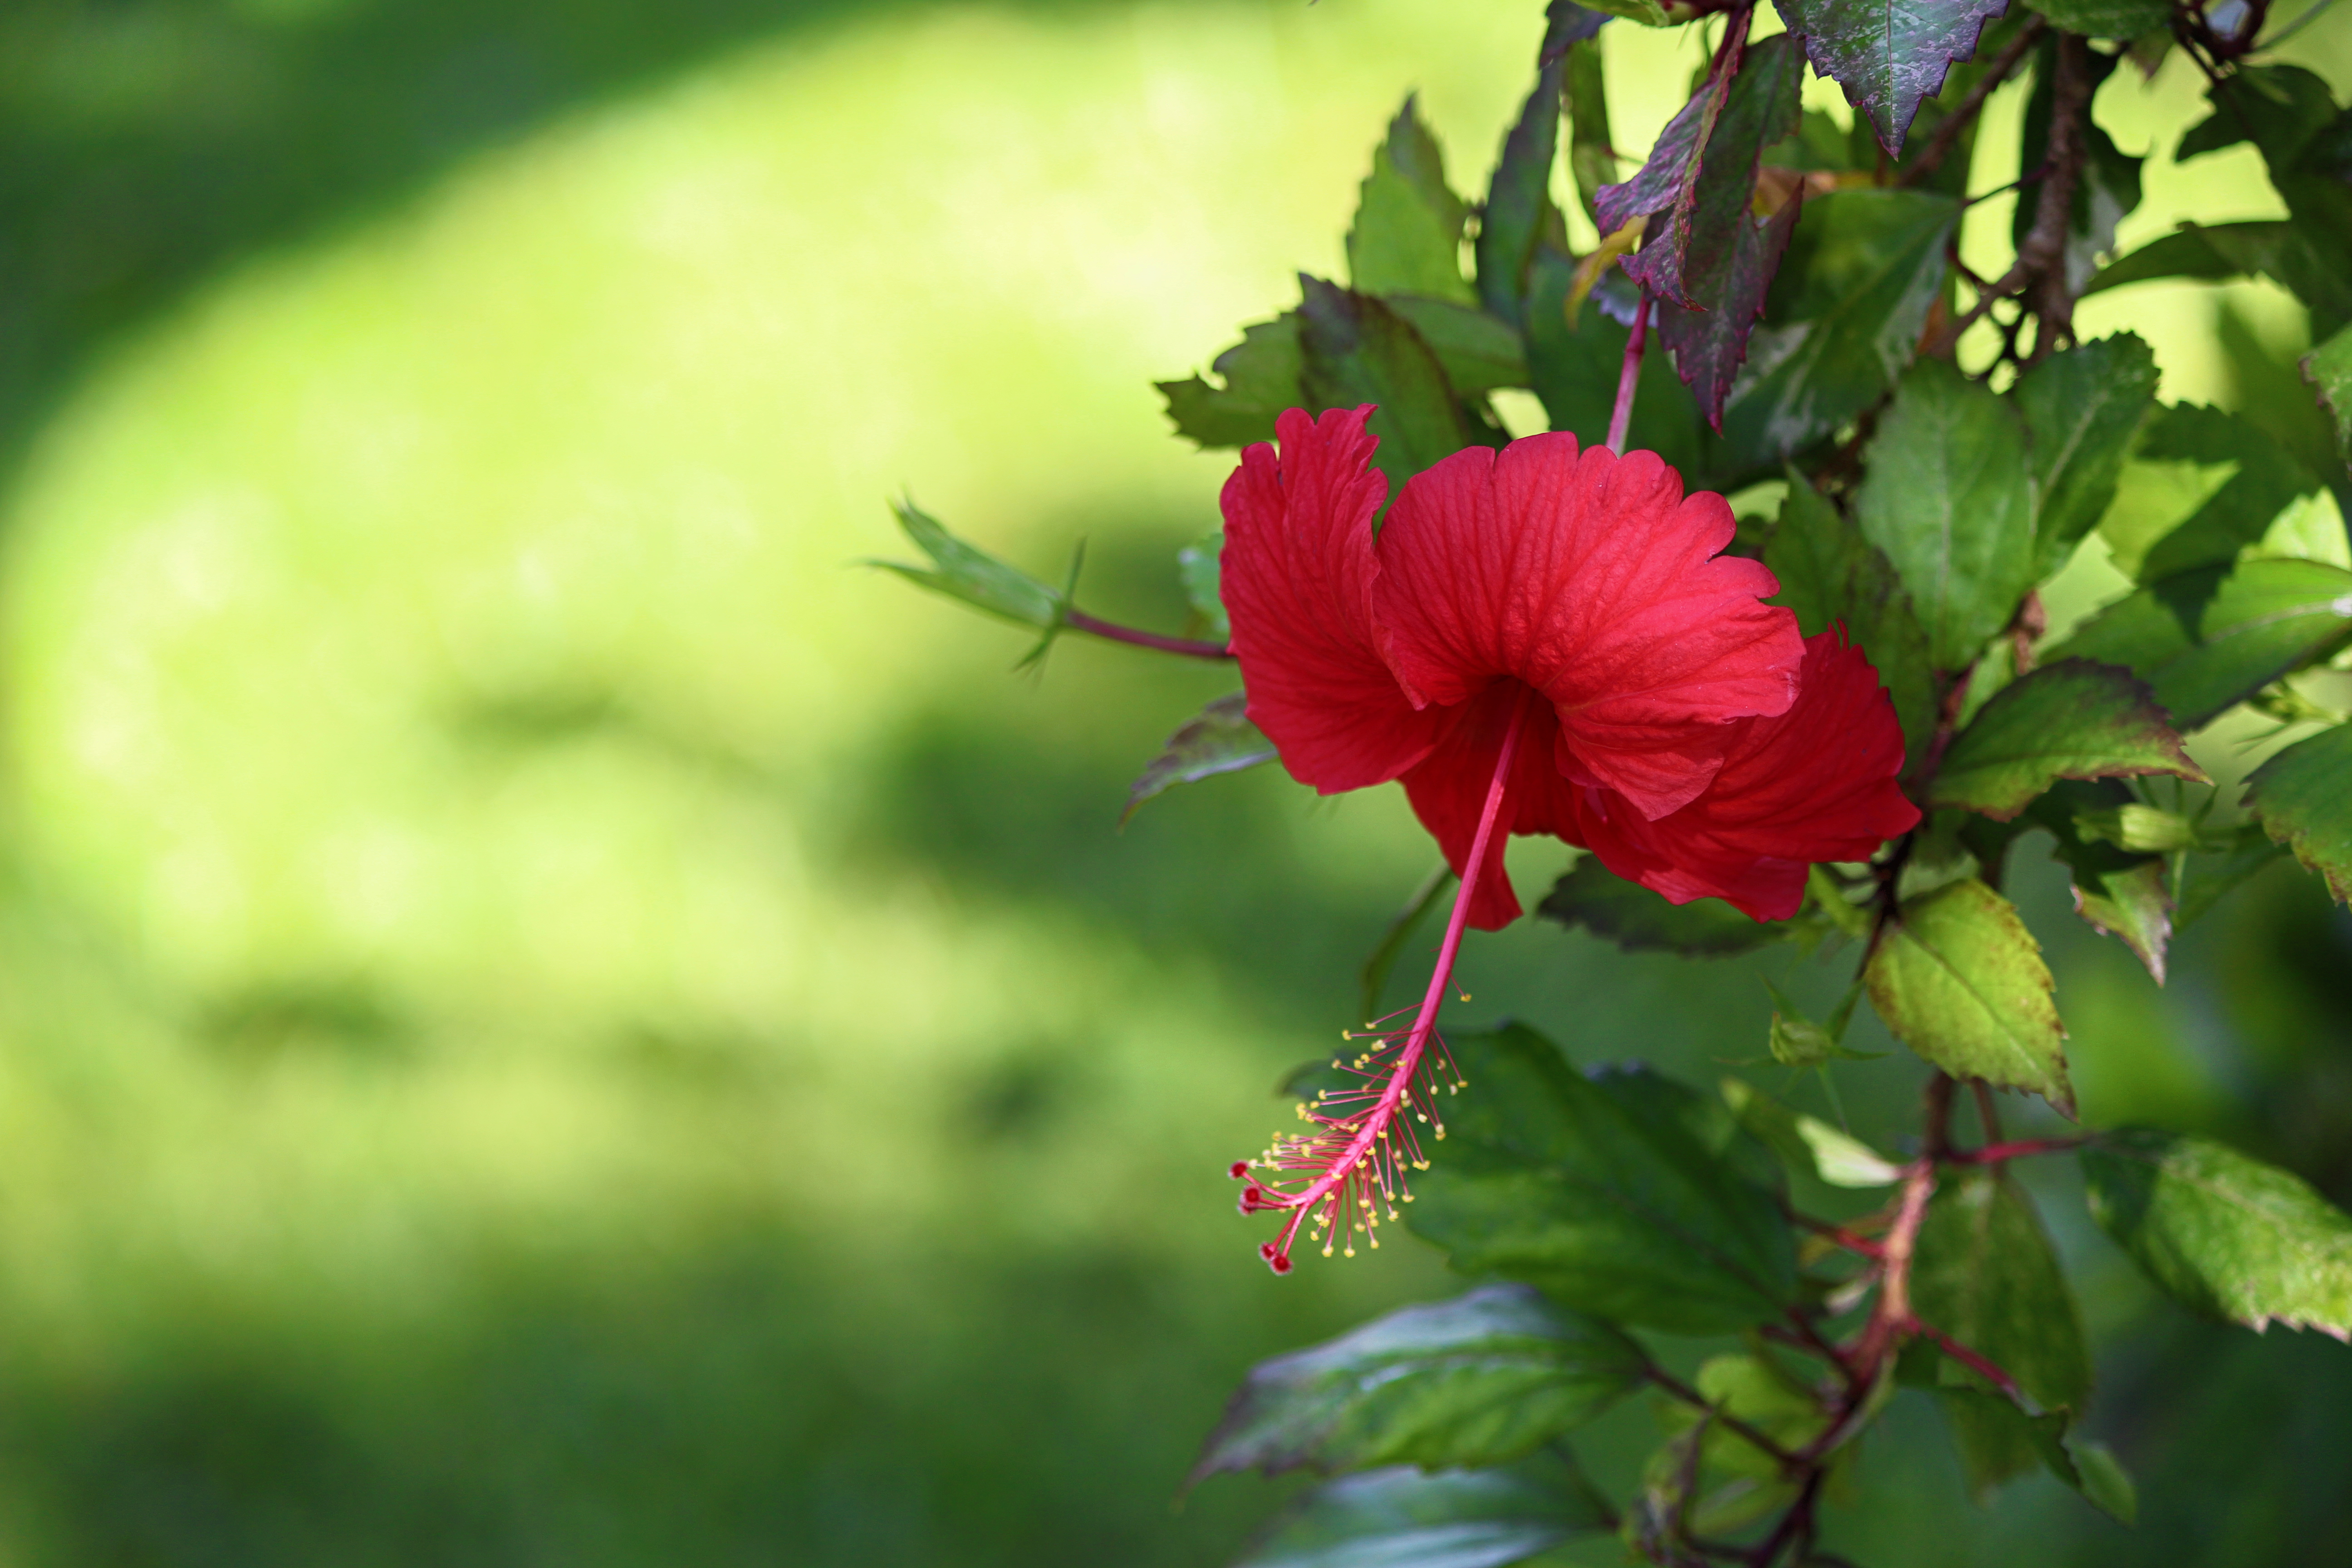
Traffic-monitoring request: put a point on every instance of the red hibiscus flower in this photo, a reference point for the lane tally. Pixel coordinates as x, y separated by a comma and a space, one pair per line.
1541, 640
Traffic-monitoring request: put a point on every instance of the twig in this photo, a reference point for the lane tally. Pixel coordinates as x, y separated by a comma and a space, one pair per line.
2001, 1153
1948, 131
1988, 1113
1109, 631
1730, 1423
1796, 1526
1967, 1358
1630, 376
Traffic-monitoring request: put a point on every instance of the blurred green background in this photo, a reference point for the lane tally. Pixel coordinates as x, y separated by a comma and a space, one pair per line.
547, 1018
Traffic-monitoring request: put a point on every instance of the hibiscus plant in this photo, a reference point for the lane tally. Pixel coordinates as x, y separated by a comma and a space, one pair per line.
1826, 724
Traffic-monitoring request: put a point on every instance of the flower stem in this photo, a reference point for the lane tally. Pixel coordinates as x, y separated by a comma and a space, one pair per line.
1628, 378
1191, 647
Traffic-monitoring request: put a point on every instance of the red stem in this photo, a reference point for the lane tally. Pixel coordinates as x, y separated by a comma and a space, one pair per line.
1996, 1154
1967, 1358
1621, 416
1109, 631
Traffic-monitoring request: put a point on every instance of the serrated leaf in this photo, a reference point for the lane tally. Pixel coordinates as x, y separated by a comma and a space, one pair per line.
2122, 19
1889, 55
2268, 479
2082, 406
2206, 640
2222, 1232
2328, 369
2088, 1467
1407, 234
1477, 353
2302, 798
1846, 315
1479, 1380
1946, 497
1959, 979
1199, 569
1580, 1188
1519, 217
2119, 893
1983, 1273
1727, 259
1221, 739
1261, 375
1829, 572
1358, 351
1405, 1517
1665, 188
1639, 921
2108, 187
2073, 719
973, 575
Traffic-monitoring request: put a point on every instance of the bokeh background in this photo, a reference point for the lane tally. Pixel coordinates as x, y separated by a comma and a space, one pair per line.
547, 1016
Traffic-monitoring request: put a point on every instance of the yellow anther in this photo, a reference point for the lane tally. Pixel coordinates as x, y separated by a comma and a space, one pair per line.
1350, 1252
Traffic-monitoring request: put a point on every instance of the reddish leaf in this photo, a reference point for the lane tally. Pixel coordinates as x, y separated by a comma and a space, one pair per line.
1889, 55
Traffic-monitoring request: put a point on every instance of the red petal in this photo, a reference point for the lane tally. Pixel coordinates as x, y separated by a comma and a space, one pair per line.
1297, 576
1595, 580
1814, 783
1448, 791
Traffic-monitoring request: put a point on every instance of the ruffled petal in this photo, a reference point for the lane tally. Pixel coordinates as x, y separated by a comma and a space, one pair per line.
1595, 580
1814, 783
1296, 575
1448, 791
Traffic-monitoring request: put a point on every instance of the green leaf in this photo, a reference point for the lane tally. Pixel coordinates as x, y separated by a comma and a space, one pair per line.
2267, 480
2082, 406
1407, 235
962, 571
1404, 1517
2307, 142
2200, 881
2123, 19
1574, 368
1806, 1143
1261, 375
2328, 368
1888, 55
1959, 979
1583, 1189
1639, 921
1519, 217
2119, 892
1592, 155
2279, 108
2073, 719
1477, 353
1830, 573
2302, 798
1999, 1423
2226, 1234
1946, 497
1983, 1273
2274, 248
1846, 312
1737, 1482
1221, 739
1198, 568
1358, 351
1478, 1380
2208, 639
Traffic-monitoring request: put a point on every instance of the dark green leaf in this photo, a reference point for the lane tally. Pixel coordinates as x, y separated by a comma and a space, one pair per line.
1639, 921
1580, 1187
2238, 515
1261, 375
2302, 798
1959, 979
1477, 353
1407, 236
2306, 141
1846, 312
2202, 881
1592, 155
1997, 1424
2226, 1234
2082, 406
1197, 567
1407, 1518
1574, 369
2279, 108
1830, 573
2328, 368
1519, 217
1728, 256
1222, 739
1888, 55
2122, 19
2277, 249
2073, 719
1807, 1143
1478, 1380
2120, 893
962, 571
1983, 1273
1946, 497
1567, 25
1737, 1482
2107, 188
2206, 641
1358, 351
